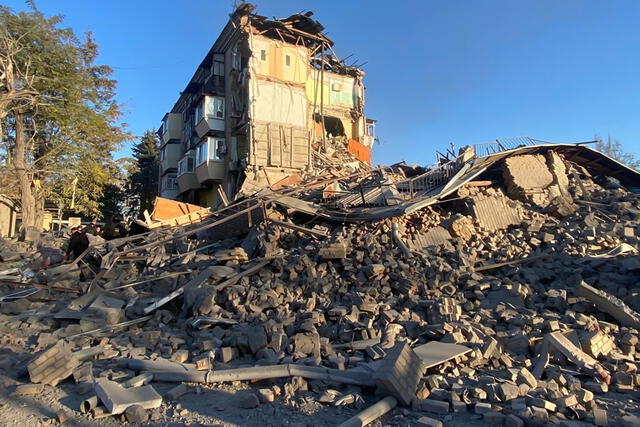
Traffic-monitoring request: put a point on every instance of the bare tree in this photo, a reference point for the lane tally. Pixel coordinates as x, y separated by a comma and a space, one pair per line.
613, 148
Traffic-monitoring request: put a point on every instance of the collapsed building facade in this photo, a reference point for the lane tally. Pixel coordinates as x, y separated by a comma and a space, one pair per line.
499, 286
268, 96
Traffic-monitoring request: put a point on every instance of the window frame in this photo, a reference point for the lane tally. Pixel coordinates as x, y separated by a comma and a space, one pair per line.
165, 126
183, 165
171, 178
200, 148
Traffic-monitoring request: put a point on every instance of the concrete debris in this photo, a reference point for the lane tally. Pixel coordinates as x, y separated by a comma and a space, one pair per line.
136, 414
611, 305
511, 300
117, 398
53, 365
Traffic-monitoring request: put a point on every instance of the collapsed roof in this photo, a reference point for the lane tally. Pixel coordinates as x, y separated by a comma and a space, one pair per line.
506, 271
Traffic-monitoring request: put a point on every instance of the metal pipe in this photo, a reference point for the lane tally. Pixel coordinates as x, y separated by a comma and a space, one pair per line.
396, 236
372, 413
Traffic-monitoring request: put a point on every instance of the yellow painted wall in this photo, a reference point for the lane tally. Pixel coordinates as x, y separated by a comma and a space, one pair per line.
275, 63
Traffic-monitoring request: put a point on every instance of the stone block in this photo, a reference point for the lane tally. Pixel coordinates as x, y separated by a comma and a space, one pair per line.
227, 354
117, 398
136, 414
482, 408
177, 391
400, 373
525, 376
180, 356
430, 405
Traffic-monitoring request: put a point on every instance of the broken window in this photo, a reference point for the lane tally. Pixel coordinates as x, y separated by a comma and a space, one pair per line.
217, 148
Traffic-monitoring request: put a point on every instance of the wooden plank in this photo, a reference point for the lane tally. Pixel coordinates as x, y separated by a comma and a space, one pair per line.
507, 263
202, 277
167, 208
188, 218
248, 272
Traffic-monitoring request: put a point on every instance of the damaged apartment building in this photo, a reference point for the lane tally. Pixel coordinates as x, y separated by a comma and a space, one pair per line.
268, 97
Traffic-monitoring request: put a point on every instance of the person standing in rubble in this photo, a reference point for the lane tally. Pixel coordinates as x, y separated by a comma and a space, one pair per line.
78, 243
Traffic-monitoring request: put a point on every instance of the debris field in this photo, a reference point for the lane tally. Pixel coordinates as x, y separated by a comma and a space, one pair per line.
501, 288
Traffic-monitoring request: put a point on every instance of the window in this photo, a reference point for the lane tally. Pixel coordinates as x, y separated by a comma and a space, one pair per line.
188, 129
163, 155
371, 129
186, 165
217, 148
212, 106
287, 60
211, 149
198, 114
165, 125
215, 108
263, 55
235, 58
217, 69
170, 182
201, 153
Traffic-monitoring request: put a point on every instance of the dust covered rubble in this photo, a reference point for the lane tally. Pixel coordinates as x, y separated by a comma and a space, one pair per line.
498, 282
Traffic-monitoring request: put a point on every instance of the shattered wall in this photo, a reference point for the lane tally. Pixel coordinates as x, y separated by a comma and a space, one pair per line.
540, 180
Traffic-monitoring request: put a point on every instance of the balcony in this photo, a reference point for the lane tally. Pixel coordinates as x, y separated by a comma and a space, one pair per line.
209, 115
169, 156
169, 187
187, 179
171, 128
210, 160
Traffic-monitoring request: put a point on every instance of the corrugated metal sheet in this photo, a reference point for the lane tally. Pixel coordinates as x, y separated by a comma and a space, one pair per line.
494, 213
432, 237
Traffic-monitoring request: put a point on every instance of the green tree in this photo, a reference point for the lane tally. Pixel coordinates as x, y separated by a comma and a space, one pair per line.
613, 148
143, 182
60, 121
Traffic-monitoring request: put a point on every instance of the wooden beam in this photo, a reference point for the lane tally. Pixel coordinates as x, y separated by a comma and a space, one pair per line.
299, 228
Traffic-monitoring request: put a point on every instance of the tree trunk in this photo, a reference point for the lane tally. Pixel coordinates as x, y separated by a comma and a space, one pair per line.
25, 181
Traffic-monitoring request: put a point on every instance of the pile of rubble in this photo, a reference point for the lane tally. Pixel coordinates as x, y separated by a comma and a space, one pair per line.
512, 300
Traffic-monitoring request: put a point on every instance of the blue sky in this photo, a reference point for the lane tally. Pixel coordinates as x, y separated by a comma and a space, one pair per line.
436, 71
